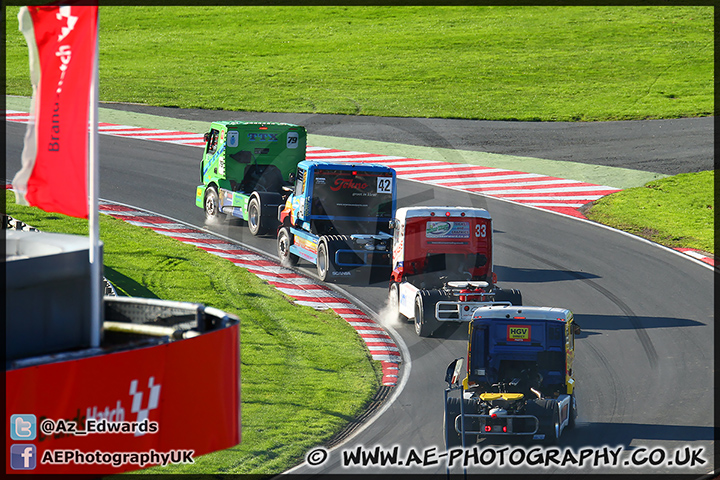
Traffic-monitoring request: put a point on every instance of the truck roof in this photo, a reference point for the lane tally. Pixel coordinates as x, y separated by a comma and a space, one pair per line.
240, 123
363, 167
515, 312
440, 212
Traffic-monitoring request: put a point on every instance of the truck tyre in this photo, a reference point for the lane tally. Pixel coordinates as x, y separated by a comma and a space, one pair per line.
513, 296
324, 262
573, 412
425, 322
212, 204
287, 259
256, 225
454, 439
394, 303
548, 414
554, 425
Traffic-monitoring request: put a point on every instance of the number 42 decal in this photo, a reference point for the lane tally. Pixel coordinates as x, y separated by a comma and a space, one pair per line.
384, 185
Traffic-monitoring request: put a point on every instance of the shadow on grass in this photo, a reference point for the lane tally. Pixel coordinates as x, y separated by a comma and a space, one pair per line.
254, 294
300, 406
126, 285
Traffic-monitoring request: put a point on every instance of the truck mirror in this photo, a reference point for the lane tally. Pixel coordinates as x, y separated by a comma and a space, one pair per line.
291, 177
452, 374
206, 137
391, 224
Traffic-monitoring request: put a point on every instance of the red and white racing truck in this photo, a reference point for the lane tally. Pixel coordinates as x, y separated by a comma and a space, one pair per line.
442, 266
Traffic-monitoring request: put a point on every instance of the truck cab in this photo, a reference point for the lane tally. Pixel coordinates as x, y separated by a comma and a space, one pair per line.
246, 170
333, 198
338, 217
533, 344
442, 262
520, 379
434, 243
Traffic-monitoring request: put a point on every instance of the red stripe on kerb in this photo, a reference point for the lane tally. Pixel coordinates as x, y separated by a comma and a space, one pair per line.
320, 299
310, 286
256, 263
349, 311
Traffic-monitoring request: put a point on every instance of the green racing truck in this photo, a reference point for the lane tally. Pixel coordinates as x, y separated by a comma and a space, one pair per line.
247, 171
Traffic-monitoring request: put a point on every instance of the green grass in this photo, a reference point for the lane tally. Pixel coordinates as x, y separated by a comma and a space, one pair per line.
305, 373
497, 63
676, 211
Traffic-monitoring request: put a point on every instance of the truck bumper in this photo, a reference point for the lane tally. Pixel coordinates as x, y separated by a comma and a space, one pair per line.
449, 311
513, 425
507, 425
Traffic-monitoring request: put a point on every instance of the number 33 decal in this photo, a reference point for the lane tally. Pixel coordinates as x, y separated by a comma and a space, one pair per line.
481, 230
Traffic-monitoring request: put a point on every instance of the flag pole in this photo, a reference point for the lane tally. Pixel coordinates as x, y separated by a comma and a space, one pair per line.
93, 214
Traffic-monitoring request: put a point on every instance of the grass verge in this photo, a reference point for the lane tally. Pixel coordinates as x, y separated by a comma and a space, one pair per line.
562, 63
676, 211
305, 373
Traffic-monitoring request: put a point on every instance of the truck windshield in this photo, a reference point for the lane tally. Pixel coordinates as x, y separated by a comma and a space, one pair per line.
339, 193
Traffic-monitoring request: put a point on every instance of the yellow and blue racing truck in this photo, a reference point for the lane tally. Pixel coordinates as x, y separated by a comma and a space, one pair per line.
247, 171
520, 380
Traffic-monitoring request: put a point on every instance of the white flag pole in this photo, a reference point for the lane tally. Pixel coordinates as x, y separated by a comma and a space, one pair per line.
96, 317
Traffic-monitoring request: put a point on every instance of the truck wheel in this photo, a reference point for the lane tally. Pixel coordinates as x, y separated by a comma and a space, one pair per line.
573, 412
255, 220
513, 296
425, 323
516, 298
394, 303
287, 259
548, 414
454, 438
324, 264
212, 204
555, 425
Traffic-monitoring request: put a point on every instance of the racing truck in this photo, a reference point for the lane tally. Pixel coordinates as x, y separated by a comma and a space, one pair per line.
519, 380
247, 170
338, 217
442, 266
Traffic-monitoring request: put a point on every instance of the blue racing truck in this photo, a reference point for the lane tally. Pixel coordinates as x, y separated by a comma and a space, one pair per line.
247, 170
338, 218
520, 380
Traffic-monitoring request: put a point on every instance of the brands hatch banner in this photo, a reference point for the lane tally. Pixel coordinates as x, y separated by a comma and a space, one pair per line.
182, 396
61, 42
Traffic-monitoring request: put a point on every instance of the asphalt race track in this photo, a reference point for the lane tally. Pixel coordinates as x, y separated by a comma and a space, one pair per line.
645, 357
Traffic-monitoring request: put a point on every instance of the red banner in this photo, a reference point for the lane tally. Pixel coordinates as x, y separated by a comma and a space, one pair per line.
164, 404
62, 42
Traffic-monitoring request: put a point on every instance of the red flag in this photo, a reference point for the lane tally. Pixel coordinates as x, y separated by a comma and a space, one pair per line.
61, 42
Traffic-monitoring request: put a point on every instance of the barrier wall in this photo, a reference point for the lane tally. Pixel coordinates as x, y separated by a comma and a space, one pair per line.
188, 389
